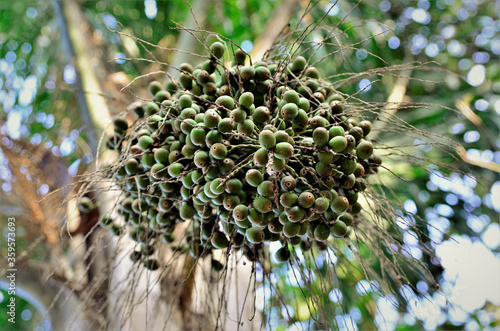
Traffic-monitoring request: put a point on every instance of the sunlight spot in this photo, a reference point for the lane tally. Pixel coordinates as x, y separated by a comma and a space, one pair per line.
364, 85
150, 8
476, 75
332, 9
247, 46
109, 20
421, 16
394, 42
31, 12
69, 74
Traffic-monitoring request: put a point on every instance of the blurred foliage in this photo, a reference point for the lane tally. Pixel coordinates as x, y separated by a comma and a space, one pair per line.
460, 39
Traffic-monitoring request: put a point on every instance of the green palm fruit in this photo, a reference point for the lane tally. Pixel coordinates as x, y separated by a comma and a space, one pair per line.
210, 89
186, 212
238, 115
198, 136
281, 136
346, 218
154, 87
174, 169
262, 204
246, 127
145, 142
152, 108
283, 151
139, 206
282, 255
185, 101
339, 204
231, 201
218, 151
233, 186
247, 73
339, 229
226, 165
85, 204
217, 187
188, 125
219, 240
321, 205
357, 133
255, 217
255, 235
295, 214
164, 205
366, 126
261, 115
267, 139
254, 177
288, 183
338, 143
208, 192
201, 159
348, 166
306, 199
336, 131
312, 72
120, 124
154, 122
266, 188
318, 122
356, 208
203, 77
185, 81
291, 229
326, 157
238, 240
211, 118
299, 64
262, 73
213, 137
217, 49
152, 264
161, 155
138, 109
186, 67
260, 158
246, 99
158, 170
289, 111
225, 125
278, 164
291, 96
240, 212
351, 143
301, 120
173, 156
225, 101
274, 225
239, 56
320, 136
132, 166
347, 181
359, 171
321, 232
364, 149
162, 96
323, 170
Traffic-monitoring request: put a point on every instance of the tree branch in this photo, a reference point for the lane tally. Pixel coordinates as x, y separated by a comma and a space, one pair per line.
279, 19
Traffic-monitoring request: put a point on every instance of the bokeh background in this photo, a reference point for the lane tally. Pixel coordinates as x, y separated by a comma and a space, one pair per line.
46, 138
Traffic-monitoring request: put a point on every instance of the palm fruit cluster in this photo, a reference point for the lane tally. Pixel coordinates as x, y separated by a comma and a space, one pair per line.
247, 154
